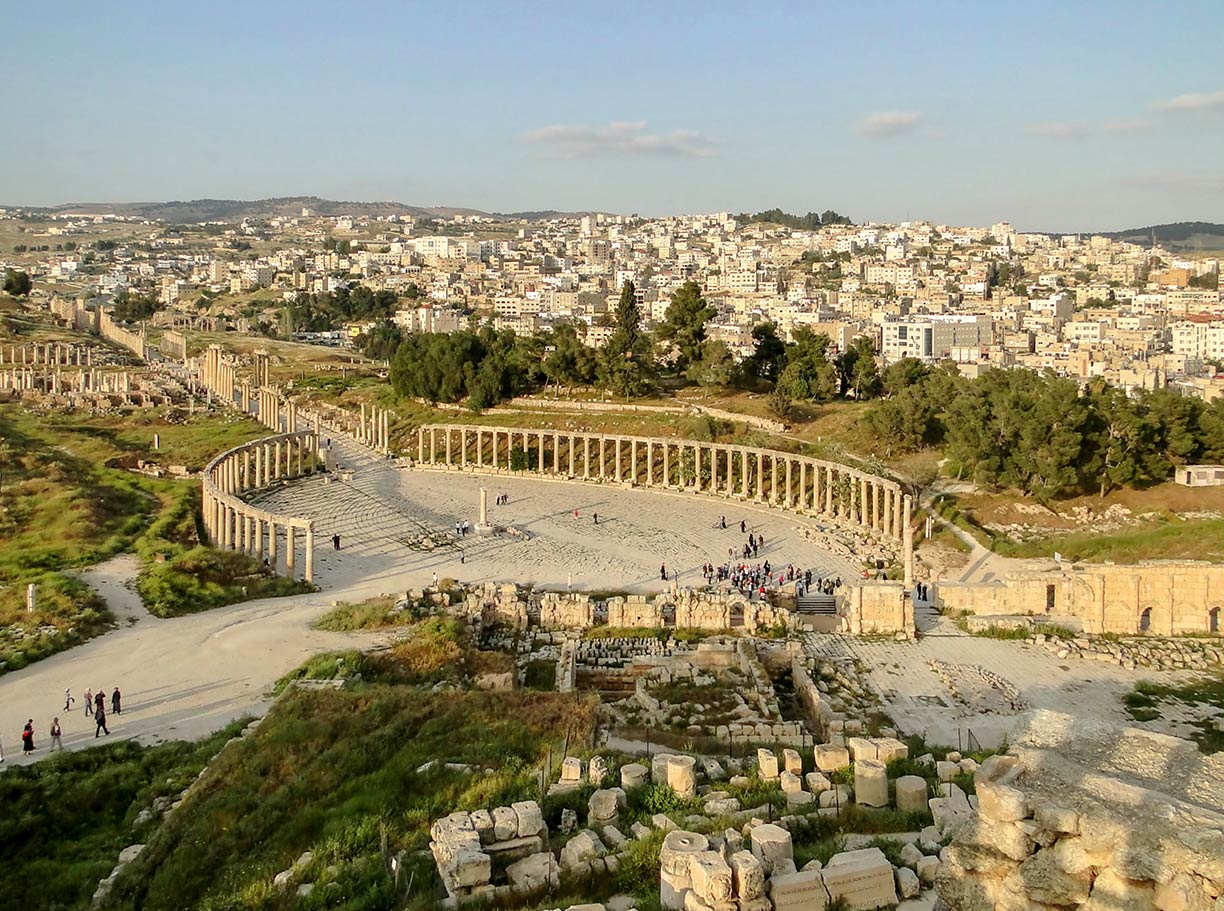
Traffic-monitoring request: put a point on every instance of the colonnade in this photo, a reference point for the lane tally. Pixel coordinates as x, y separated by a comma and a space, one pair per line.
233, 524
372, 431
49, 353
277, 414
57, 381
219, 375
840, 494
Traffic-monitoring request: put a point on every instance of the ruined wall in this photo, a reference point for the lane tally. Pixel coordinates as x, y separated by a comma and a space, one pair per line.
1084, 815
876, 607
1160, 598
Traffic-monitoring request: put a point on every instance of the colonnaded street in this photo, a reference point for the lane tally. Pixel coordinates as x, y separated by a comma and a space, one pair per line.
185, 677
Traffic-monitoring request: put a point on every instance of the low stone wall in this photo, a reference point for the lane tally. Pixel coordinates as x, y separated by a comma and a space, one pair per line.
1084, 815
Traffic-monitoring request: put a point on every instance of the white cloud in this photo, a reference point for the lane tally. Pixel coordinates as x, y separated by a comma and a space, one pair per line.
619, 137
1061, 129
1193, 101
882, 124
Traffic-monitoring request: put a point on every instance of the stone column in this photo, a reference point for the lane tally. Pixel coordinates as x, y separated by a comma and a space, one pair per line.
616, 452
760, 476
633, 469
667, 463
463, 443
790, 490
907, 545
569, 444
421, 444
830, 483
773, 480
272, 544
540, 439
483, 524
447, 431
433, 445
603, 471
309, 553
649, 463
290, 550
479, 448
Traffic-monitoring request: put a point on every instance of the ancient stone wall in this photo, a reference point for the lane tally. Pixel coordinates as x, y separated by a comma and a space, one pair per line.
1159, 598
876, 607
1084, 815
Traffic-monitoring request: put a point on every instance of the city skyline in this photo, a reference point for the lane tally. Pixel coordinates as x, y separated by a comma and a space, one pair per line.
1052, 119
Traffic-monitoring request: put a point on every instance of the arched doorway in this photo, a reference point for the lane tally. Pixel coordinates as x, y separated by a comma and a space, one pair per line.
1213, 620
1145, 620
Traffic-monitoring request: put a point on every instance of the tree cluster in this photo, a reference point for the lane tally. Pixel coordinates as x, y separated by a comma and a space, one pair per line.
326, 311
134, 307
17, 283
809, 222
1041, 433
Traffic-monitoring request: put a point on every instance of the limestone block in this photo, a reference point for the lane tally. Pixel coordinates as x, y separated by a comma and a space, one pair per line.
929, 840
1002, 838
830, 758
597, 771
583, 847
952, 756
612, 837
748, 875
673, 888
908, 885
798, 799
1056, 818
682, 775
790, 782
482, 821
801, 891
505, 824
861, 748
678, 847
927, 869
571, 769
530, 818
1182, 893
946, 770
658, 767
633, 775
1001, 768
771, 844
816, 782
838, 796
1042, 880
863, 879
870, 783
968, 766
711, 877
911, 793
1000, 802
468, 868
767, 764
910, 855
890, 749
1111, 891
713, 769
602, 808
536, 871
792, 762
722, 806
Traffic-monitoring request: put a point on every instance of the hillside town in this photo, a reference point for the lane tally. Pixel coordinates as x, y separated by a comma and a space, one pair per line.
1140, 317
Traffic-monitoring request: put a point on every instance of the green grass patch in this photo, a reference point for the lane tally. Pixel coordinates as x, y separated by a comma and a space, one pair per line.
1051, 630
67, 612
540, 675
371, 614
1173, 539
67, 818
203, 578
344, 774
679, 634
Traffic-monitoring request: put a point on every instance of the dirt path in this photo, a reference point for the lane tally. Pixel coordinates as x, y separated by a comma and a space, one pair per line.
115, 581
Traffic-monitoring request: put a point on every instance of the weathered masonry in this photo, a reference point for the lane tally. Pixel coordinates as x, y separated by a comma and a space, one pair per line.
232, 523
839, 494
1158, 598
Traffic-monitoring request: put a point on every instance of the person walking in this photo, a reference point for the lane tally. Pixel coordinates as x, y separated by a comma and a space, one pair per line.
116, 705
88, 702
595, 516
56, 733
27, 738
99, 700
663, 572
743, 526
435, 580
722, 521
335, 542
68, 700
100, 721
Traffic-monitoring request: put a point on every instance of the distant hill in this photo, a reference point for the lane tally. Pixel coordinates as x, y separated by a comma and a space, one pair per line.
234, 210
1181, 236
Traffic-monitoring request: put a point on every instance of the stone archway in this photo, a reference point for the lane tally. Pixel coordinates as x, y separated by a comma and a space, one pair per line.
1145, 620
1213, 620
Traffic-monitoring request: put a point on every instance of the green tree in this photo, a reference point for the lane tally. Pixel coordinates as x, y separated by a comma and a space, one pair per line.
809, 375
1178, 421
571, 362
716, 366
684, 324
908, 371
768, 354
858, 371
628, 356
17, 283
1126, 440
133, 307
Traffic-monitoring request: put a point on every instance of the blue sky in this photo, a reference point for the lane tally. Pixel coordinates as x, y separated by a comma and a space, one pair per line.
1059, 116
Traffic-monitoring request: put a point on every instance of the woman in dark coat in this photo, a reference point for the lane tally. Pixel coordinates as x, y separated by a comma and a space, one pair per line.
27, 737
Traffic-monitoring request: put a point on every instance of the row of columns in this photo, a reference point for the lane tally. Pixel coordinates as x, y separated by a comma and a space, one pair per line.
373, 428
20, 379
218, 374
49, 353
808, 485
232, 524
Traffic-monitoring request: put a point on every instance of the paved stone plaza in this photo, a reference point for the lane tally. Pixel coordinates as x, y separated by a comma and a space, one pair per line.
383, 506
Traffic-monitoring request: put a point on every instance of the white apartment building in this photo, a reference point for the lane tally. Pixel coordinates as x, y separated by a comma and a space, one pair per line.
933, 337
